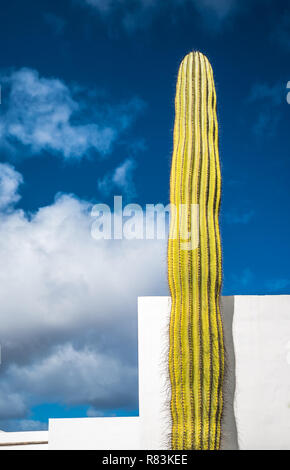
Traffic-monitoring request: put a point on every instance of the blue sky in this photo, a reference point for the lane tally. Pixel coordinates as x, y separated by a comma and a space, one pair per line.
87, 111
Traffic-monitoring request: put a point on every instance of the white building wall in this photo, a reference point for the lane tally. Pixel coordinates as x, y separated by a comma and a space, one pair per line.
94, 433
257, 389
261, 331
154, 387
257, 337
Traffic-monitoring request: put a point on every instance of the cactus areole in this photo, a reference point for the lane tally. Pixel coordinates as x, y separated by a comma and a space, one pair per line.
196, 344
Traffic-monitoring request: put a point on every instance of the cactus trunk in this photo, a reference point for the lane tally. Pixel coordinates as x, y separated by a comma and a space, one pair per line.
196, 345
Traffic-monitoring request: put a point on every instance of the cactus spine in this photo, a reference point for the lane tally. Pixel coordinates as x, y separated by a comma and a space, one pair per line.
196, 346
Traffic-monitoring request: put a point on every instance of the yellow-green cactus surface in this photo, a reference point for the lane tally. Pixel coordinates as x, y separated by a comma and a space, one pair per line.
196, 354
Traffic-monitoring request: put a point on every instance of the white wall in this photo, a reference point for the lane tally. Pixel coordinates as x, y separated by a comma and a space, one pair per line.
257, 336
261, 331
154, 386
94, 433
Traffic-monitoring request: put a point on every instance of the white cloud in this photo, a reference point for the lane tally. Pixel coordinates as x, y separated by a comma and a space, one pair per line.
45, 114
121, 178
11, 403
9, 183
68, 318
105, 379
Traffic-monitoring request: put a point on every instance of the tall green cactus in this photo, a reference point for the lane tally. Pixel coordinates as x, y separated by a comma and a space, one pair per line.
196, 345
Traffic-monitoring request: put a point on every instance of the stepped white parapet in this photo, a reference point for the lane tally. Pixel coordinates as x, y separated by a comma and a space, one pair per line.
257, 337
29, 440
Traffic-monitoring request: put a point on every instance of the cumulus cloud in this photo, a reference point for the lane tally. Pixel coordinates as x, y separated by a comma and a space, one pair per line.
121, 178
9, 183
68, 323
11, 404
106, 380
45, 114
